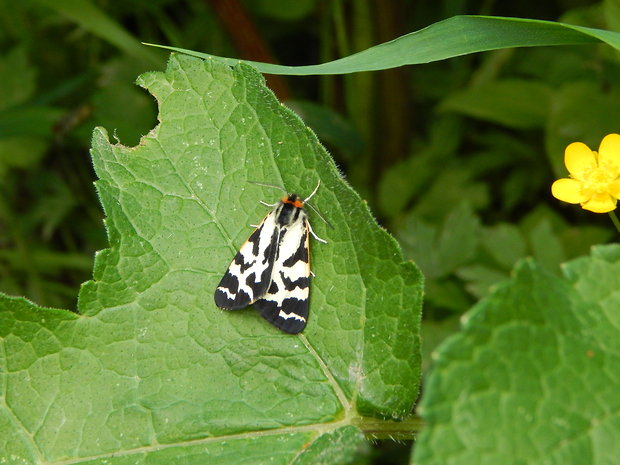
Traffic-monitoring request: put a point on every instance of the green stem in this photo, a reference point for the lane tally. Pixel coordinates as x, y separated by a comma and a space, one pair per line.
374, 428
614, 220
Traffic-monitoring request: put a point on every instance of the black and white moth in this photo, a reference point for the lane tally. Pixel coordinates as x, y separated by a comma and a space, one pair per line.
272, 268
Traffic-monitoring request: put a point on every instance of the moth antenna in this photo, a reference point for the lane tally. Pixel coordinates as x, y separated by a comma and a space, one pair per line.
269, 185
313, 192
267, 204
319, 214
312, 206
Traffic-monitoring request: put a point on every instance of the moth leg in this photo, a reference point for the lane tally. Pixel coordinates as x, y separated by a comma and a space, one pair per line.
314, 235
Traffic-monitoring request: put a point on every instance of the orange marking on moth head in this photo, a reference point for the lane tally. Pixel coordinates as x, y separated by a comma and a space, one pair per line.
294, 200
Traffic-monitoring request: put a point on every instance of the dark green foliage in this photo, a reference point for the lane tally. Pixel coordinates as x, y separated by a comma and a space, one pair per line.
455, 158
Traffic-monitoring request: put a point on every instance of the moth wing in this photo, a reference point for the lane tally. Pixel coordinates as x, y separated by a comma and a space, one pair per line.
285, 304
249, 275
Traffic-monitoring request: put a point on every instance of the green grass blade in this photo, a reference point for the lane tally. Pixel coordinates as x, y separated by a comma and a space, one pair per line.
456, 36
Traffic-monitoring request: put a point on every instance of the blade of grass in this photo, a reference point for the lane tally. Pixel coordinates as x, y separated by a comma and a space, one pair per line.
456, 36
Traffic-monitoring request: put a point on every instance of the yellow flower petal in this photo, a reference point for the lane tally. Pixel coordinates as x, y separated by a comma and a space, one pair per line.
579, 158
568, 190
600, 203
614, 189
609, 151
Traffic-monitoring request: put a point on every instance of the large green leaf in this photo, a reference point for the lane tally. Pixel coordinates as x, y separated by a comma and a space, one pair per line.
533, 376
456, 36
152, 371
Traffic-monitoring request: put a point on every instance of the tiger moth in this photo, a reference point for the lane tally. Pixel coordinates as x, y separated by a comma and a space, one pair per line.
272, 268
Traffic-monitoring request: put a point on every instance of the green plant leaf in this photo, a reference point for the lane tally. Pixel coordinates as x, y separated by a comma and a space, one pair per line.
611, 9
480, 279
331, 127
152, 372
504, 243
36, 121
598, 116
405, 181
452, 186
532, 377
17, 78
456, 36
440, 251
516, 103
546, 246
24, 127
459, 237
95, 20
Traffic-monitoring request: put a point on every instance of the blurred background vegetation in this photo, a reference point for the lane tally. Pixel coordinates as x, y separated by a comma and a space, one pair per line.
455, 158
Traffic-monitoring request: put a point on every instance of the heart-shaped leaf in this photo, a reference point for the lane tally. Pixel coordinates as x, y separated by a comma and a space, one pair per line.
151, 371
533, 376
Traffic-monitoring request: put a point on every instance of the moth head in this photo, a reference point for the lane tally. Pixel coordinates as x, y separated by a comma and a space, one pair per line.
294, 200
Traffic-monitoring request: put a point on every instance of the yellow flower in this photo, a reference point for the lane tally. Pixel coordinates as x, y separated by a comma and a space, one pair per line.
594, 177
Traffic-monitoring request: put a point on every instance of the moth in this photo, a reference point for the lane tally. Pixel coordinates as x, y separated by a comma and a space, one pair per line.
272, 268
